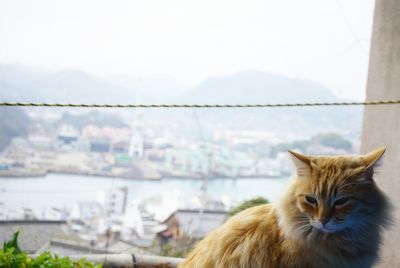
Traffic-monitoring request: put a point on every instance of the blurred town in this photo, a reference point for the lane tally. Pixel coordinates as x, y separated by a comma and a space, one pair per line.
110, 224
165, 147
107, 146
104, 145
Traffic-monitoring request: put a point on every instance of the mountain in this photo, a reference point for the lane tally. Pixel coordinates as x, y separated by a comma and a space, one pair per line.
16, 81
153, 89
20, 83
258, 87
255, 87
77, 87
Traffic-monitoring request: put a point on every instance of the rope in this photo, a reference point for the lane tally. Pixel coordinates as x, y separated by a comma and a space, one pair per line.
266, 105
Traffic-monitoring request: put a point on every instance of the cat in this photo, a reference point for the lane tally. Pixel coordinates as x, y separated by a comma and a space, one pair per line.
330, 215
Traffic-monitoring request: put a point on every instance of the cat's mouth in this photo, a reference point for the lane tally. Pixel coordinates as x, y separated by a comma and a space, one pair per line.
324, 228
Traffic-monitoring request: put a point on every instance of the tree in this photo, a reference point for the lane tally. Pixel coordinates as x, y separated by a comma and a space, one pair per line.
14, 122
247, 204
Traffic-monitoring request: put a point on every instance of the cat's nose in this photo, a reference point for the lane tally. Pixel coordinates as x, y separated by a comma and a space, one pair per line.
323, 221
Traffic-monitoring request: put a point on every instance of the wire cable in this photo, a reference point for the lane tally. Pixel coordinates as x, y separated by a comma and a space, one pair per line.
260, 105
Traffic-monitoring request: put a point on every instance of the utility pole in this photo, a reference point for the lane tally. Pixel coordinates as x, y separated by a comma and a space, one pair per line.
381, 126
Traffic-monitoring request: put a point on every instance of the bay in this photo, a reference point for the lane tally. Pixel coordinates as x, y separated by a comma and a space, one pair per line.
62, 191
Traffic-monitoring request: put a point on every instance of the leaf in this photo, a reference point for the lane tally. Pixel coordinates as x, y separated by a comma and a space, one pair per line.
11, 256
12, 243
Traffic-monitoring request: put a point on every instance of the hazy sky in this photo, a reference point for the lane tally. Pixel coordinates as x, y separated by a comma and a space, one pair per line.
326, 41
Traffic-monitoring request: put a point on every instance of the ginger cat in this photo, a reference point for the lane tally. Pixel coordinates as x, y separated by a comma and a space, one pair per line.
331, 215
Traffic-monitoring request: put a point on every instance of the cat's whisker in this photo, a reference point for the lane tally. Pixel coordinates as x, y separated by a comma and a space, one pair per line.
303, 228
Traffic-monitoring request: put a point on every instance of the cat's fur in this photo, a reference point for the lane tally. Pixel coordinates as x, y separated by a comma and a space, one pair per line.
338, 191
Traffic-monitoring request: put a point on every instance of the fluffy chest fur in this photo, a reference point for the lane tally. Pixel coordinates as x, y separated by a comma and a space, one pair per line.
253, 238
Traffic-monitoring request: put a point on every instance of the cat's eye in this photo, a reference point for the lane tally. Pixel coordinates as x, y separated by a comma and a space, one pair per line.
311, 200
342, 201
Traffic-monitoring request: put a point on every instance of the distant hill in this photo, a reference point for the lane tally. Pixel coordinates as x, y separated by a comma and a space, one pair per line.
153, 89
258, 87
20, 83
17, 81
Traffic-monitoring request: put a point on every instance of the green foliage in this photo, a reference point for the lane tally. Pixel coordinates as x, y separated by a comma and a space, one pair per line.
247, 204
99, 119
12, 244
13, 123
332, 140
12, 257
169, 251
178, 248
283, 147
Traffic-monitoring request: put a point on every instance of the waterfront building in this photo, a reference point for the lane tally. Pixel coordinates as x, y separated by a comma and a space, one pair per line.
40, 142
106, 139
86, 212
136, 146
67, 137
114, 202
198, 223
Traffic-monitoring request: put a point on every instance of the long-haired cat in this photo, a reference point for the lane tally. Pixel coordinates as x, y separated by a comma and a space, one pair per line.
331, 215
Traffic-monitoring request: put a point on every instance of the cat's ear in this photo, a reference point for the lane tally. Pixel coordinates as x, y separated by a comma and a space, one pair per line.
301, 162
371, 160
